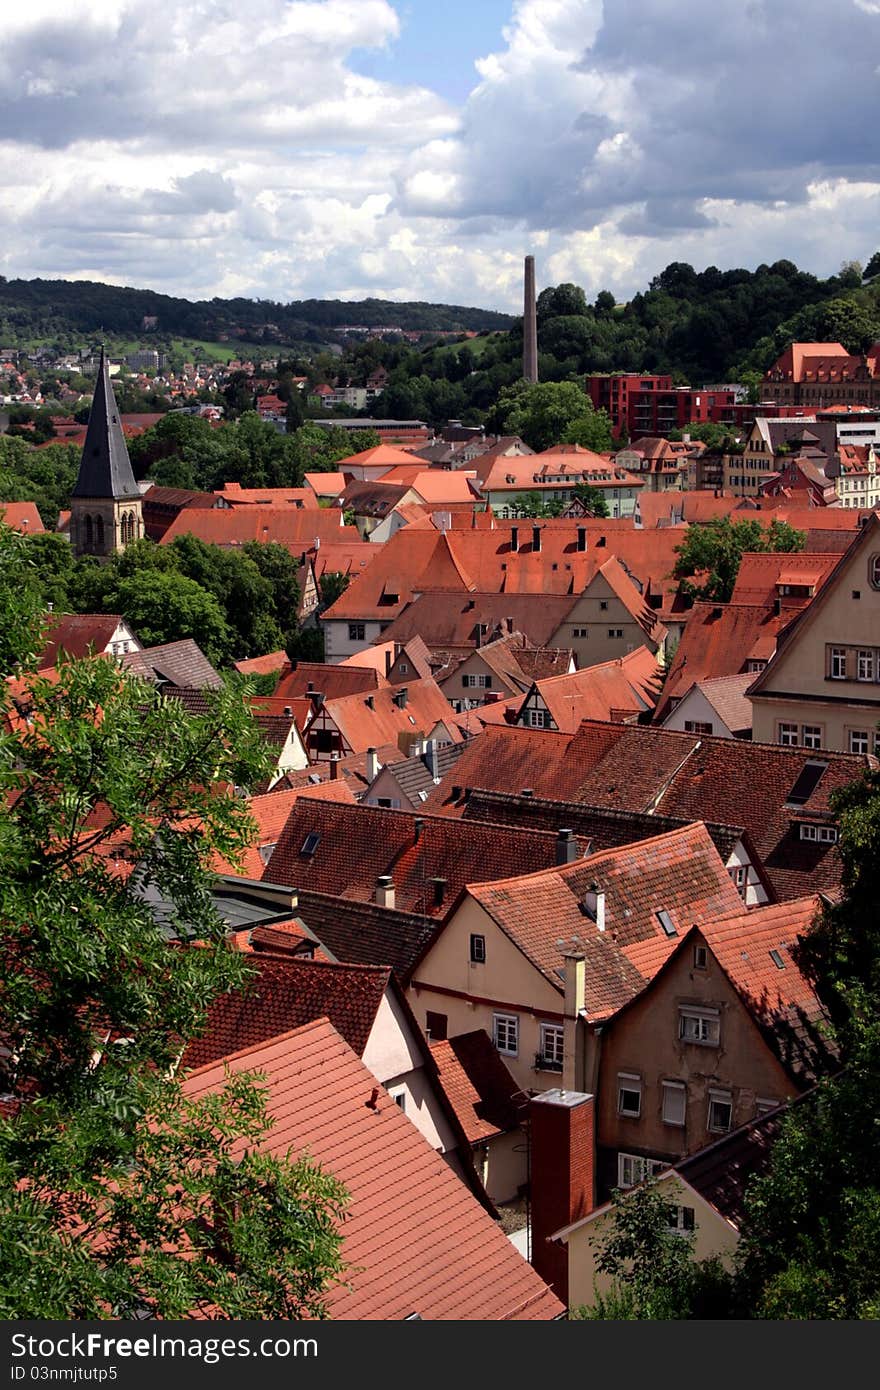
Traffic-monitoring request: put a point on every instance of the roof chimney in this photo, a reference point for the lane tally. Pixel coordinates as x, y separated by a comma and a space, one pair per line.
317, 698
536, 538
288, 709
334, 767
582, 538
594, 905
566, 847
401, 697
514, 538
385, 891
563, 1166
372, 765
432, 758
389, 658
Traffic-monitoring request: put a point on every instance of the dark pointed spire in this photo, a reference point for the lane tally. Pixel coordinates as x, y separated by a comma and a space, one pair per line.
105, 468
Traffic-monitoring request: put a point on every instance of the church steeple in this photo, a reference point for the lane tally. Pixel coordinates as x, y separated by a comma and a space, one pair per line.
106, 501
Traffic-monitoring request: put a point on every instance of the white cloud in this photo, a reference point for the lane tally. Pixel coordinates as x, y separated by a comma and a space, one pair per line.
222, 148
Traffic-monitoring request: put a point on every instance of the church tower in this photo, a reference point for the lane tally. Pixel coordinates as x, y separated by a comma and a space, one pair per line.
105, 508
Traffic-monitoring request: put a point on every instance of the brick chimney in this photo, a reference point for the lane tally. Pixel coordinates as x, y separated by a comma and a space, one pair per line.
562, 1178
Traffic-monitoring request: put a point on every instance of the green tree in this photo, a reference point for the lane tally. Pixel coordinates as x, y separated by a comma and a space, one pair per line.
545, 413
593, 499
118, 1194
811, 1236
712, 553
654, 1274
165, 607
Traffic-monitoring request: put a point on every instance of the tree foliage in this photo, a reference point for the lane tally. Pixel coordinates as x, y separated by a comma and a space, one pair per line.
545, 413
712, 553
118, 1193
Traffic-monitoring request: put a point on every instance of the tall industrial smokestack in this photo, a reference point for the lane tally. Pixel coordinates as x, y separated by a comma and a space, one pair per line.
530, 324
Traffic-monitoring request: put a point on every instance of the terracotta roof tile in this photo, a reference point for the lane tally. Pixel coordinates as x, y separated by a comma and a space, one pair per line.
331, 681
22, 516
390, 715
481, 1090
719, 640
415, 1240
680, 873
630, 684
296, 528
78, 634
285, 993
358, 844
364, 933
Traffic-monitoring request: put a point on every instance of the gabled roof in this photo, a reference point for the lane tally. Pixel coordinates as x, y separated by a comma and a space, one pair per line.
296, 528
600, 827
263, 665
679, 873
780, 999
343, 850
78, 634
452, 621
22, 516
177, 663
105, 468
284, 993
364, 933
414, 1238
480, 1089
628, 685
719, 640
332, 682
237, 495
386, 719
270, 811
722, 1171
415, 776
727, 696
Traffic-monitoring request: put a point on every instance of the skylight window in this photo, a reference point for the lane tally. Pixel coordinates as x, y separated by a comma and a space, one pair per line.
311, 842
777, 960
667, 923
807, 781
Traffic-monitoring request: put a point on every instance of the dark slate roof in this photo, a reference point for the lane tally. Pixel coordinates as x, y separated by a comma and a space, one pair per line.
721, 1172
603, 826
414, 775
366, 934
180, 663
105, 468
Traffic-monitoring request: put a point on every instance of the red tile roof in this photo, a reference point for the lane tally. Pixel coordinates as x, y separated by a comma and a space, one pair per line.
385, 719
759, 575
21, 516
680, 873
296, 528
506, 759
414, 1238
78, 634
263, 665
628, 685
237, 495
358, 844
781, 1000
451, 622
270, 812
719, 640
331, 681
284, 993
481, 1090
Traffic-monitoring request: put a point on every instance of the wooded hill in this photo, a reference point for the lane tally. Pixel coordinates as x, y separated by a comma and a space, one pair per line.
35, 310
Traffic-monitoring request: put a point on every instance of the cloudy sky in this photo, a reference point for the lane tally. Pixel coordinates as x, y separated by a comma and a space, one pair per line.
412, 149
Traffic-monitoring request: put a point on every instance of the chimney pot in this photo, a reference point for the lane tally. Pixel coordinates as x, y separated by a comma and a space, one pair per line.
385, 895
566, 847
334, 767
372, 768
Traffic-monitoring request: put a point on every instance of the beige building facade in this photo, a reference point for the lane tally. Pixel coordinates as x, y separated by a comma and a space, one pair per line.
822, 688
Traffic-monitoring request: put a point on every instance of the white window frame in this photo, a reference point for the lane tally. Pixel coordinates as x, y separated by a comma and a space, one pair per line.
789, 735
678, 1220
398, 1095
634, 1168
505, 1034
537, 718
719, 1098
861, 737
629, 1082
700, 1026
811, 735
865, 664
677, 1091
553, 1044
475, 957
837, 664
